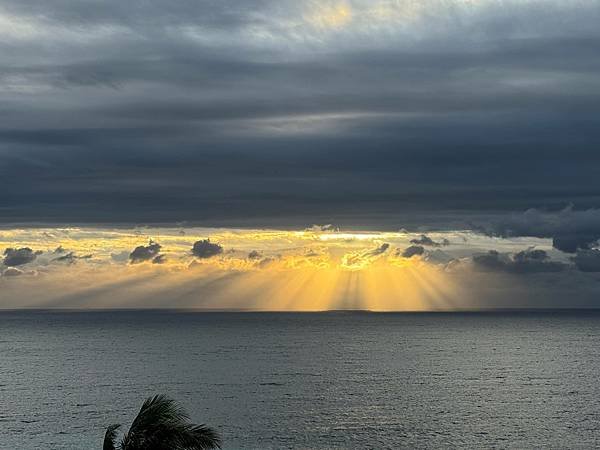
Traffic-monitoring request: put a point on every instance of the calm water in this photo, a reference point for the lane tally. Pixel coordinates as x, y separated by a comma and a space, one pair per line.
304, 381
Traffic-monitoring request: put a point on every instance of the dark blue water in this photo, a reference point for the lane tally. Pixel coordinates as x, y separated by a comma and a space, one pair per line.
303, 381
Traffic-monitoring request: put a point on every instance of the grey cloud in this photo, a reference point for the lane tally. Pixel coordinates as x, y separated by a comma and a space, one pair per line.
19, 256
439, 257
492, 260
587, 260
404, 118
531, 254
427, 241
145, 252
206, 249
12, 272
571, 242
159, 259
69, 257
357, 258
569, 229
267, 261
412, 251
120, 257
526, 261
377, 251
323, 228
137, 14
254, 254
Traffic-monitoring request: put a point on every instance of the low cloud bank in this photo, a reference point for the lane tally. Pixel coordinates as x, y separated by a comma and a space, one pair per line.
526, 261
587, 260
570, 229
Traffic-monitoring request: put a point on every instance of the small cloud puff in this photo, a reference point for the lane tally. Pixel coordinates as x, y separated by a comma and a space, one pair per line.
438, 257
359, 260
254, 254
206, 249
413, 250
70, 257
427, 241
19, 256
145, 252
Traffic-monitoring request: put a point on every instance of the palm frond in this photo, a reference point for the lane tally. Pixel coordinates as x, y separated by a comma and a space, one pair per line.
201, 437
163, 425
110, 436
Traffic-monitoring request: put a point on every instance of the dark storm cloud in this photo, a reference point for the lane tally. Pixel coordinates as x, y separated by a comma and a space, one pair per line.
523, 262
136, 13
19, 256
587, 260
569, 229
206, 249
145, 252
225, 113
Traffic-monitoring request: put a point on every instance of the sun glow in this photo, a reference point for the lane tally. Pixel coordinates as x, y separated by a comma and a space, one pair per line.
352, 236
310, 270
330, 15
323, 288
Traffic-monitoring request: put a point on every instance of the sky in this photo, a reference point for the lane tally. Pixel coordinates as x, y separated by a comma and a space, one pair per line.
126, 122
315, 269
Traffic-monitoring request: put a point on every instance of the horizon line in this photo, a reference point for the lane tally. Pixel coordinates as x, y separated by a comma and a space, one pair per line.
325, 311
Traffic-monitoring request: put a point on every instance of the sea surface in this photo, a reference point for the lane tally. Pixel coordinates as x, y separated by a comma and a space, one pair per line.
339, 380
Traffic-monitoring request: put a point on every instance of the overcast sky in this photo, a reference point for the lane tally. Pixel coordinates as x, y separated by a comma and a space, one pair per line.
380, 113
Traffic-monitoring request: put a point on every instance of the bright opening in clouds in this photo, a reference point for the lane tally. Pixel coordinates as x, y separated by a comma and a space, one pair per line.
317, 269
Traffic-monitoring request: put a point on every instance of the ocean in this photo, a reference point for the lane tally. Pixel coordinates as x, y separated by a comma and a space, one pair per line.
338, 380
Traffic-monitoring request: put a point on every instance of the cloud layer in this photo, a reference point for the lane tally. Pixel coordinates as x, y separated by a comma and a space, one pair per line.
569, 229
355, 110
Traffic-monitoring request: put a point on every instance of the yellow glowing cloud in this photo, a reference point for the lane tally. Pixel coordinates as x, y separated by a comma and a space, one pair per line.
329, 15
315, 269
362, 259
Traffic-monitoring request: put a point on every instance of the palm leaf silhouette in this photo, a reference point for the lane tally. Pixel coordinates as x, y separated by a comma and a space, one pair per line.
110, 437
163, 425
